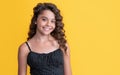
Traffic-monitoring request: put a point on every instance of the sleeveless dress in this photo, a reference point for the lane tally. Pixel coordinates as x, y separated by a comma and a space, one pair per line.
51, 63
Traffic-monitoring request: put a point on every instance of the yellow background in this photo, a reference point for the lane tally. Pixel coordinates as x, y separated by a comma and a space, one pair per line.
92, 29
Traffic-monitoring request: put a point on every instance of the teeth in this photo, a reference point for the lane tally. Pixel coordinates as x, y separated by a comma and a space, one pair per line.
46, 28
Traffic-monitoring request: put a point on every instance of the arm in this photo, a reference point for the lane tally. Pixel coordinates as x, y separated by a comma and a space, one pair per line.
22, 60
67, 65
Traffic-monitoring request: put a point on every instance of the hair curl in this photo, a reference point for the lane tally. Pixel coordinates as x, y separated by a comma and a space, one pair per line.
58, 33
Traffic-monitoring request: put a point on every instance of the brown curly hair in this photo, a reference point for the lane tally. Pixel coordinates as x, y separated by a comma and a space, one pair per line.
58, 33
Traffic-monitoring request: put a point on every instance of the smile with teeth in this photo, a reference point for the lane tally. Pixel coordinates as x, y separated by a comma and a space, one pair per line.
47, 28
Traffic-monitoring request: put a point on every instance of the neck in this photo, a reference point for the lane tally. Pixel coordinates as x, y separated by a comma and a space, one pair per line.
41, 38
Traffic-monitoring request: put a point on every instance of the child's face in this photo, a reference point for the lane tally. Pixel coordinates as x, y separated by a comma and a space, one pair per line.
46, 22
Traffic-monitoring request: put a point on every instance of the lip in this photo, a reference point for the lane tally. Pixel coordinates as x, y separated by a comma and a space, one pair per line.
47, 28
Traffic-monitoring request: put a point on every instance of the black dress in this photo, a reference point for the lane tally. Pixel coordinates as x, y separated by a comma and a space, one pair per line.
45, 63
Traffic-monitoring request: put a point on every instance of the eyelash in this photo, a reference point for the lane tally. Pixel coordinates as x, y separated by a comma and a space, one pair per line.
51, 21
44, 19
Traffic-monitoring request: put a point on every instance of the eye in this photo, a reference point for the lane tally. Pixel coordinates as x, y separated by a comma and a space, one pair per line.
44, 19
53, 21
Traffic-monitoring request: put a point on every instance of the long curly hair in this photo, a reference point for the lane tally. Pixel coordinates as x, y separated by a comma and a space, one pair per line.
58, 33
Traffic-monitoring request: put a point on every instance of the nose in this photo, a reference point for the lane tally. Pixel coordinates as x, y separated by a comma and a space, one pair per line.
49, 23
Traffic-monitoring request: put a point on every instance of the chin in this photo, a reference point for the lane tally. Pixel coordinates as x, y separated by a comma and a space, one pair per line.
43, 32
46, 33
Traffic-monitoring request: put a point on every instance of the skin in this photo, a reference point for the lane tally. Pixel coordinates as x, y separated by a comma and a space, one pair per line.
42, 42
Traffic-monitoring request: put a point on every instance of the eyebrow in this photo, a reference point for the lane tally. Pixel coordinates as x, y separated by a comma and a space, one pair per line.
47, 18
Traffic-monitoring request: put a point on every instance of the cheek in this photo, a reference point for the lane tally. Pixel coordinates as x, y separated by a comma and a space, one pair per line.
54, 26
39, 23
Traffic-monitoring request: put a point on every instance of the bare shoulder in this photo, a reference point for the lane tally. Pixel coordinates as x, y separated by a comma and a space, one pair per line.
67, 46
23, 49
68, 49
67, 52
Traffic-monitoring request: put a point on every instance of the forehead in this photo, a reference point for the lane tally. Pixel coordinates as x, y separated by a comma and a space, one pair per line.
48, 14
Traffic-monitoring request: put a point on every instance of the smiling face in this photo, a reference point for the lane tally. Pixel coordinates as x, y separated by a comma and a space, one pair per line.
45, 22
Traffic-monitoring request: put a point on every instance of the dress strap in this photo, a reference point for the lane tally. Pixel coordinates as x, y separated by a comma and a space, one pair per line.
28, 46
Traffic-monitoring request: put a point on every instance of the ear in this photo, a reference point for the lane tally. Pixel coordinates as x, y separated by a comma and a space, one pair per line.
35, 22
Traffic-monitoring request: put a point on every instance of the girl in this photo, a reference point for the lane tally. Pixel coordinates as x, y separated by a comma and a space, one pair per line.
46, 50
